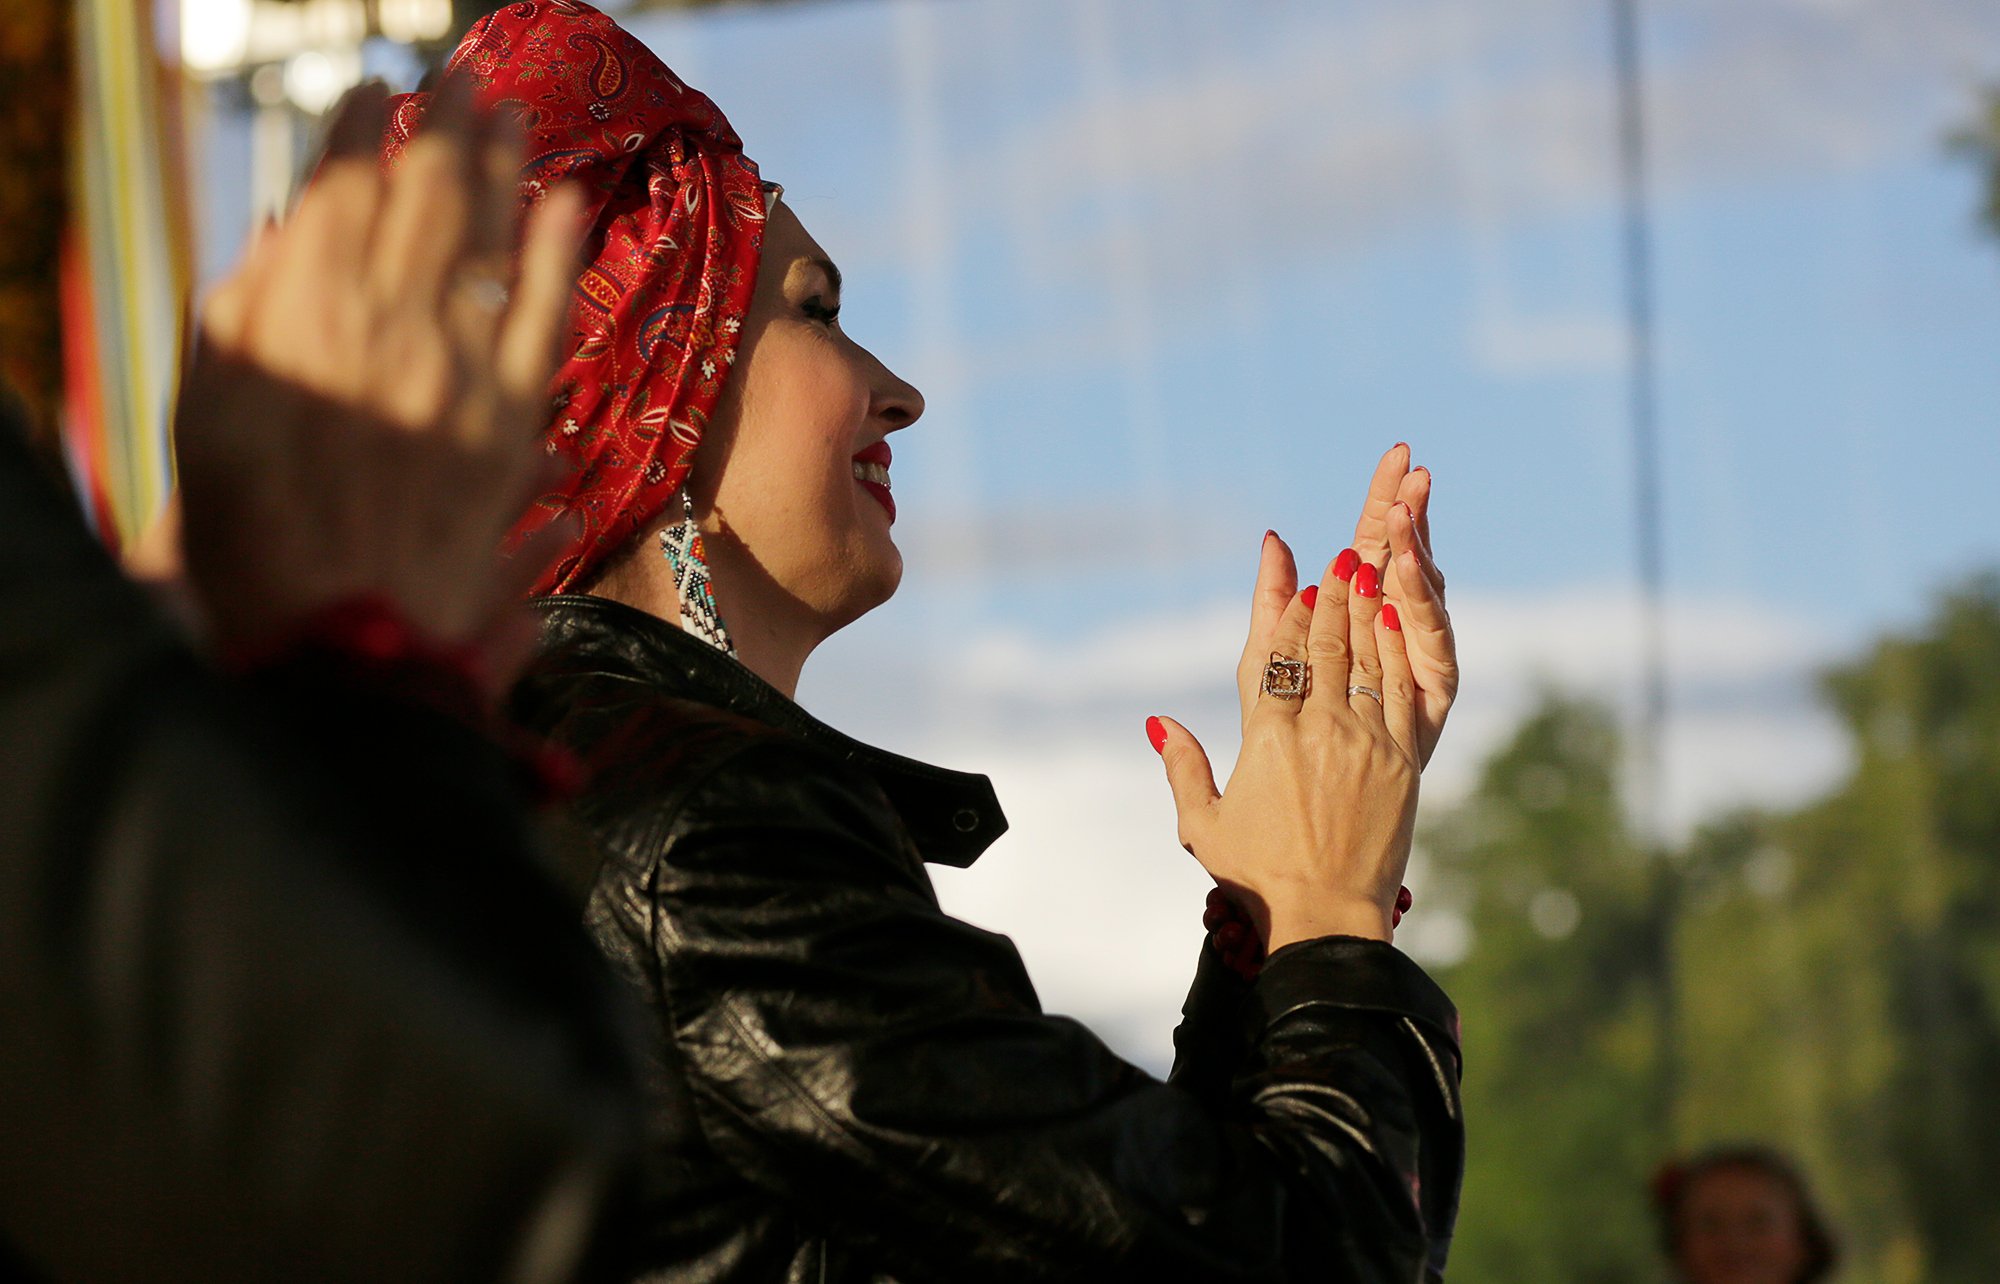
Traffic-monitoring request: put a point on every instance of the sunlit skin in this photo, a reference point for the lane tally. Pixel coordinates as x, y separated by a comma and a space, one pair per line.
798, 548
1312, 830
1737, 1225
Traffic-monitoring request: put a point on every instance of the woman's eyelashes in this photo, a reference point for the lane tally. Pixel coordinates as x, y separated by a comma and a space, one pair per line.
817, 309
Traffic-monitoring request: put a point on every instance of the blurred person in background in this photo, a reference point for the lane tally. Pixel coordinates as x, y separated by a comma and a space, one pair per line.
1741, 1215
284, 989
848, 1083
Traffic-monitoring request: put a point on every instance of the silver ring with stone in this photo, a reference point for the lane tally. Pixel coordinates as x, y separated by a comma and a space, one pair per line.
1370, 692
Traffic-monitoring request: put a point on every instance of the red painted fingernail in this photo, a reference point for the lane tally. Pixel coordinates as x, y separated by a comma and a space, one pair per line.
1404, 900
1390, 620
1230, 935
1213, 917
1269, 536
1156, 731
1343, 566
1368, 580
1401, 445
1310, 596
1425, 471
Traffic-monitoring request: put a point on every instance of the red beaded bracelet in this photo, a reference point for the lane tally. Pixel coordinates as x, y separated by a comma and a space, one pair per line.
1234, 937
367, 640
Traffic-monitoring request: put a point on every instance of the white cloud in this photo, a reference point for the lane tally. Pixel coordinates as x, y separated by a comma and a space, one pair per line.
1090, 881
1744, 728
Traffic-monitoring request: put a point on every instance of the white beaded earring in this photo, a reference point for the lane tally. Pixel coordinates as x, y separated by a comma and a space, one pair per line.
682, 545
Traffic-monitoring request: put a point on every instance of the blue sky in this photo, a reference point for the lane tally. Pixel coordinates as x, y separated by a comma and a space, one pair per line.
1173, 271
1429, 254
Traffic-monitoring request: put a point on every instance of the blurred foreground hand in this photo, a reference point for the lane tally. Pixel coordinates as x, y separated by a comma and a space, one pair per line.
368, 388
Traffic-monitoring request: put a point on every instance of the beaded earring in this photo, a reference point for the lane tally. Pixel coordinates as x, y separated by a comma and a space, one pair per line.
682, 545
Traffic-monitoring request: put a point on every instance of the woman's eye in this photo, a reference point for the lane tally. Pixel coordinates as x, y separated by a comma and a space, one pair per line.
816, 309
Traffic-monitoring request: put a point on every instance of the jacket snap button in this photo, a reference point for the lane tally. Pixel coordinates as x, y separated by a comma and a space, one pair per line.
965, 820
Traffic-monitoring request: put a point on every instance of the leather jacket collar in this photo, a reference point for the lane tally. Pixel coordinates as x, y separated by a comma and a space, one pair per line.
952, 816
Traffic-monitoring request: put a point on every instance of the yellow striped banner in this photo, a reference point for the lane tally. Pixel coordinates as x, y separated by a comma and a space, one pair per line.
127, 264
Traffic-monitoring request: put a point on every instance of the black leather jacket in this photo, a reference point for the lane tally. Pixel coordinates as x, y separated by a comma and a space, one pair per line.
853, 1085
284, 990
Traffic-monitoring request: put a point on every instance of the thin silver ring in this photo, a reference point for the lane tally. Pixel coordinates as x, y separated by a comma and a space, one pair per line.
488, 293
1370, 692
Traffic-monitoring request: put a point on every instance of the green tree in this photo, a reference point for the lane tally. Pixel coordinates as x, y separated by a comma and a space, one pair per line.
1561, 996
1981, 139
1841, 967
1827, 980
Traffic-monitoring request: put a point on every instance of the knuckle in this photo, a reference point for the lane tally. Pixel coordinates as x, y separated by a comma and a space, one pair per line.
1344, 735
422, 390
1331, 646
354, 326
1264, 734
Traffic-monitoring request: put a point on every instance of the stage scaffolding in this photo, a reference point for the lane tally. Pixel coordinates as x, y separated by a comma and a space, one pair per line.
143, 70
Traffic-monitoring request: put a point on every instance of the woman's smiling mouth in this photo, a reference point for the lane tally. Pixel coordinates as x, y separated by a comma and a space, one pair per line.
871, 472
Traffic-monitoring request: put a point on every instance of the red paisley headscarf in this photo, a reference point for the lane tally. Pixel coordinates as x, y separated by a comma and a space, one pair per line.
678, 226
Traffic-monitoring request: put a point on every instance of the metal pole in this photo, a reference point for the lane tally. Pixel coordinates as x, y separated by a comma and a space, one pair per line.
1643, 410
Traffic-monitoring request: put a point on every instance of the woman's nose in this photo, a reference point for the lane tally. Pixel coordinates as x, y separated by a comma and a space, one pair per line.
897, 403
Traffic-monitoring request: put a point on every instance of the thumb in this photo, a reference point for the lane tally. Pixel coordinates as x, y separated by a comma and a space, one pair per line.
1188, 773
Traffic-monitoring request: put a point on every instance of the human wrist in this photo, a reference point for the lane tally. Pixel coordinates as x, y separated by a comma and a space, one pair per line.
367, 640
1240, 942
1291, 924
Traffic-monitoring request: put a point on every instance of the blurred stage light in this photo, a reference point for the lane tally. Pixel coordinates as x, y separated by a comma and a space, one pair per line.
314, 81
411, 21
321, 24
222, 38
215, 34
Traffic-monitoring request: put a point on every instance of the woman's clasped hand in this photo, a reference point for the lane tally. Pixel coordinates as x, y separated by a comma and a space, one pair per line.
361, 416
1311, 836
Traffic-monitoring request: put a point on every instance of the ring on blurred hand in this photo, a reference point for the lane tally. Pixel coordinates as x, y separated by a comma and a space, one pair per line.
1285, 678
1370, 692
483, 291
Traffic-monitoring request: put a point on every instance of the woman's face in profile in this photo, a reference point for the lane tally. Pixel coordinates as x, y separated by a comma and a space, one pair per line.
795, 466
1740, 1226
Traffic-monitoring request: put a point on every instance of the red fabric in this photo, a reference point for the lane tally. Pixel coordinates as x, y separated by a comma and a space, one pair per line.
368, 639
678, 227
366, 644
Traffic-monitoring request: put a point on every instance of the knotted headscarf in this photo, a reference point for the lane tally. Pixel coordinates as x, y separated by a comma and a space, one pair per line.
677, 215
